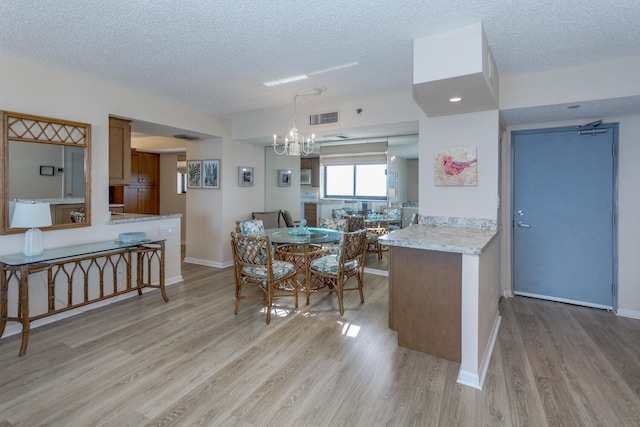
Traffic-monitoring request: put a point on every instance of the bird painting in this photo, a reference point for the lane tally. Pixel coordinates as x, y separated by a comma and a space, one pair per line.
454, 168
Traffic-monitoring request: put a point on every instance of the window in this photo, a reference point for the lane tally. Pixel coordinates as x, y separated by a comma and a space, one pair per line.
355, 170
356, 181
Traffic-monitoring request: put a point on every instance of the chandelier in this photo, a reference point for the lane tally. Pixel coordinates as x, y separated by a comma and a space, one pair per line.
294, 143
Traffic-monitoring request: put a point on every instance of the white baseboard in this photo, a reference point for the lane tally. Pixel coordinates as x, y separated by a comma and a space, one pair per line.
209, 263
633, 314
376, 271
475, 380
15, 328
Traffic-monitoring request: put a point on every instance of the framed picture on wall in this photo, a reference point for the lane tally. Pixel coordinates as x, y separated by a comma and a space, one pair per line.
456, 166
245, 176
284, 178
211, 173
194, 174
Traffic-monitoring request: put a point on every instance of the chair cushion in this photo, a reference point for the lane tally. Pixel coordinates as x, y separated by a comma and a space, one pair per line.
252, 227
331, 249
329, 264
280, 270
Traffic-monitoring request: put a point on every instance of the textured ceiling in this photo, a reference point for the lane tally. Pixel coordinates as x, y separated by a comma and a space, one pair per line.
215, 55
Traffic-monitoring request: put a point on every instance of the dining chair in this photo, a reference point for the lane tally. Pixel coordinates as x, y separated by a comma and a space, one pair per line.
339, 224
357, 222
395, 214
253, 264
336, 270
77, 216
252, 227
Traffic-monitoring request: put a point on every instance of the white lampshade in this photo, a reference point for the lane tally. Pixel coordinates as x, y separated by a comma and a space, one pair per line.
31, 216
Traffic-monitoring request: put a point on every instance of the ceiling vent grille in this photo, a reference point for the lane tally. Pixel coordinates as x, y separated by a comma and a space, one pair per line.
186, 137
323, 118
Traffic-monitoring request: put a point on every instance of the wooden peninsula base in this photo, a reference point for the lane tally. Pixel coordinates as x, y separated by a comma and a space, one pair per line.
425, 292
444, 289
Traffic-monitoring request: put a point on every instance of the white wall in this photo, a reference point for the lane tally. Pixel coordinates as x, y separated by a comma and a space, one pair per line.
170, 201
282, 198
478, 129
34, 89
598, 80
413, 180
377, 110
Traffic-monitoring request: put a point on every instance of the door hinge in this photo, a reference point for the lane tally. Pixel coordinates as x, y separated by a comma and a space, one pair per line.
613, 220
613, 289
613, 150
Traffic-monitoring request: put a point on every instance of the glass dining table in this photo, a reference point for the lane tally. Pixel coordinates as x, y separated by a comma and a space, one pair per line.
300, 249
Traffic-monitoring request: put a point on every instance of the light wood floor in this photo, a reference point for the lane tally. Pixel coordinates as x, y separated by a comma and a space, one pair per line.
192, 362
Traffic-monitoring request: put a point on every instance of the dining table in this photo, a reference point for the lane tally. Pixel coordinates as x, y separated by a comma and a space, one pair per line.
300, 247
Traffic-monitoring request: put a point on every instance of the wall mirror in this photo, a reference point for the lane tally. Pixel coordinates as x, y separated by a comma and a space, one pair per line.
46, 160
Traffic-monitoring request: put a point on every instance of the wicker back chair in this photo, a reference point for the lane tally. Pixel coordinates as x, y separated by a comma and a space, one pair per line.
253, 264
336, 270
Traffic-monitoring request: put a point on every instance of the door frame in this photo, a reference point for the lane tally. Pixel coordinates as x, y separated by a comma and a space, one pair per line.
614, 190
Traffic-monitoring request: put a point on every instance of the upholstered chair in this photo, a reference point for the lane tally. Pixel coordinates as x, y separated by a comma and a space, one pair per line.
254, 265
336, 270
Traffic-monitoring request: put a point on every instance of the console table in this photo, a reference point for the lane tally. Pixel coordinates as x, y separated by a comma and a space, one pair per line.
73, 268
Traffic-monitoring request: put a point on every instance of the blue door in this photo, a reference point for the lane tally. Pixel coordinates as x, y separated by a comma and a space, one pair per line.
563, 215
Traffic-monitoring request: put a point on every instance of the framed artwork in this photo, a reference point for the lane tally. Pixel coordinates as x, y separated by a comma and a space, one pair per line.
194, 174
284, 178
456, 166
211, 173
46, 170
245, 176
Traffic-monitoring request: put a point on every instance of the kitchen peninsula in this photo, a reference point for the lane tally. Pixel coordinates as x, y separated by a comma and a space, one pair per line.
444, 289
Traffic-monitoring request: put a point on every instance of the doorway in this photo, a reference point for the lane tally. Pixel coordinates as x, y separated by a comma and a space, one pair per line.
564, 210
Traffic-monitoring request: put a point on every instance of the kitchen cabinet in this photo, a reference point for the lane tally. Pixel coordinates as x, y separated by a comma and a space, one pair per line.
142, 195
141, 200
119, 151
144, 168
312, 164
311, 214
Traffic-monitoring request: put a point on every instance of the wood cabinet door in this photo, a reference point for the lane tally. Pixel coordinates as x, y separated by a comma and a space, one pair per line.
130, 199
145, 168
148, 200
119, 151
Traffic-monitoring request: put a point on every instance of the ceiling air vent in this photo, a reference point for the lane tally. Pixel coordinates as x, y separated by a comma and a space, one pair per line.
335, 136
323, 118
187, 137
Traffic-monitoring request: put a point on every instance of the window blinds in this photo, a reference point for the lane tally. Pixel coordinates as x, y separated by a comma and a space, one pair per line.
370, 153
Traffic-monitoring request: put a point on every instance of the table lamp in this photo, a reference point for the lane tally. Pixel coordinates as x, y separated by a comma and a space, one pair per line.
32, 215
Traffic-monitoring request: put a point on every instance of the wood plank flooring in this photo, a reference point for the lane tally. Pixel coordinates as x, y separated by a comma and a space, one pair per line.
144, 362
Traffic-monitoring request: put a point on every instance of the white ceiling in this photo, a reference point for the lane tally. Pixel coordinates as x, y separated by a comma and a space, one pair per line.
215, 55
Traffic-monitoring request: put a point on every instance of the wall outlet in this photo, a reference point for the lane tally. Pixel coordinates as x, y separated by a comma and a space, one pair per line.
167, 229
120, 273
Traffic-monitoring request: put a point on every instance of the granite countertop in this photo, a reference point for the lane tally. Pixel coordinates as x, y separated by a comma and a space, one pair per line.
123, 218
444, 239
58, 201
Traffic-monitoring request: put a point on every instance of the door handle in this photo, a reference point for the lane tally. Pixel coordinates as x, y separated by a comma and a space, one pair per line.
523, 225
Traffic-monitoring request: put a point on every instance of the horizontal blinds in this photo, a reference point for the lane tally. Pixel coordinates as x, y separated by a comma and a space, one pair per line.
354, 154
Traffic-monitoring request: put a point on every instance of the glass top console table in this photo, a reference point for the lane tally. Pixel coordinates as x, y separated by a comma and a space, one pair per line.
82, 275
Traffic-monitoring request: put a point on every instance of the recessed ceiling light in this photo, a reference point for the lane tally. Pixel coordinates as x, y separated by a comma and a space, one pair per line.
455, 99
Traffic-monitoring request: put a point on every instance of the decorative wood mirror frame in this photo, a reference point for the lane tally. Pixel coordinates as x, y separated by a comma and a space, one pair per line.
23, 128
